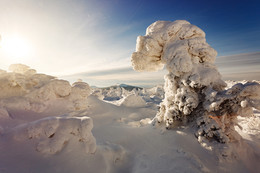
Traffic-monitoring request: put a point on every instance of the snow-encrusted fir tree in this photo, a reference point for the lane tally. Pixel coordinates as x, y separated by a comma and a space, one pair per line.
193, 87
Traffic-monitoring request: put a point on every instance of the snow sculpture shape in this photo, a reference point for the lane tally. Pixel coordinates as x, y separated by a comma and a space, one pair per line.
193, 80
52, 134
79, 92
133, 100
36, 91
22, 69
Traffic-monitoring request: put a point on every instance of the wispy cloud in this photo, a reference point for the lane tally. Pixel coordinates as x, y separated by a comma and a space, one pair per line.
233, 67
244, 66
118, 76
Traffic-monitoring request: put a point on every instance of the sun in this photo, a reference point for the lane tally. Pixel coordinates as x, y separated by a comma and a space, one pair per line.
15, 47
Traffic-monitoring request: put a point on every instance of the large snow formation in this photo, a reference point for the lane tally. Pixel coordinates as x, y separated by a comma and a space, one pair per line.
193, 87
24, 90
36, 91
52, 134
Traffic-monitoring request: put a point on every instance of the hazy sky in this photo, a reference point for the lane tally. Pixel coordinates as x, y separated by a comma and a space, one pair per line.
95, 37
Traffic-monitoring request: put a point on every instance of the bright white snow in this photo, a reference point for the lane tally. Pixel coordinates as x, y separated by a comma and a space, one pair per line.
49, 125
193, 87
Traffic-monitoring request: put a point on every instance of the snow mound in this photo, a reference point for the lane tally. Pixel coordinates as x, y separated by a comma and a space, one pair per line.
81, 89
52, 134
54, 89
133, 101
21, 82
33, 91
22, 69
79, 92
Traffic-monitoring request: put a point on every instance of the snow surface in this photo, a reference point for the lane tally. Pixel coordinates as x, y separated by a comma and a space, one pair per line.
47, 125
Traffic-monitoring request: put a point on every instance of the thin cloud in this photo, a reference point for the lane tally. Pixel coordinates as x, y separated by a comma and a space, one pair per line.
244, 66
232, 67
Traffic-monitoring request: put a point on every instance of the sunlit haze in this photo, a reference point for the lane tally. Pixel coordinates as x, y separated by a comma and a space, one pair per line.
82, 38
15, 48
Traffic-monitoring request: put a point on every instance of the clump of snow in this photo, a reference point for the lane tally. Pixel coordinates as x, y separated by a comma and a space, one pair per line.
21, 82
79, 92
116, 94
193, 87
22, 69
133, 101
52, 134
52, 90
35, 91
224, 107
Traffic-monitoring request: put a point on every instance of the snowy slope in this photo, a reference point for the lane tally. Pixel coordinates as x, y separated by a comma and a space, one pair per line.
75, 132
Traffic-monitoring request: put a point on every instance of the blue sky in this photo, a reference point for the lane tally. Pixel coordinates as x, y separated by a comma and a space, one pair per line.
88, 38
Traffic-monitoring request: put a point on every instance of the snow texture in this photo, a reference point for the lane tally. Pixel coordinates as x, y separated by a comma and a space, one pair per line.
52, 134
133, 101
34, 91
193, 87
45, 127
79, 92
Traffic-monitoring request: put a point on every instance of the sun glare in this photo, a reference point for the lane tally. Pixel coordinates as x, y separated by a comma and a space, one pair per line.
15, 48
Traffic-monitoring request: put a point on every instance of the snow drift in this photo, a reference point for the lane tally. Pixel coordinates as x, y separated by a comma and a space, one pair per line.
193, 87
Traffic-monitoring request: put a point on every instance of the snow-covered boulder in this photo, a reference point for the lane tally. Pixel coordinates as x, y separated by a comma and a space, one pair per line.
80, 89
21, 81
24, 88
52, 90
52, 134
22, 69
133, 101
79, 92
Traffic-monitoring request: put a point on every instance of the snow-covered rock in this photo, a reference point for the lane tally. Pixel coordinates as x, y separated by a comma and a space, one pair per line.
52, 134
79, 93
22, 69
52, 90
23, 88
133, 101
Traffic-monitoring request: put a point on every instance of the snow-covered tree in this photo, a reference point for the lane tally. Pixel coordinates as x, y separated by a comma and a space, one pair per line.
193, 87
